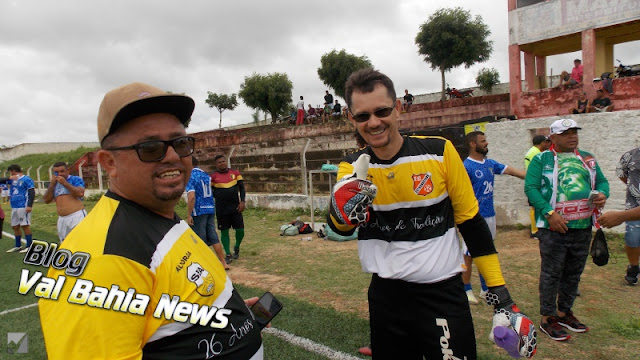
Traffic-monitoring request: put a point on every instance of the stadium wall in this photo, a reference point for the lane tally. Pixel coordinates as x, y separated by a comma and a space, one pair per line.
39, 148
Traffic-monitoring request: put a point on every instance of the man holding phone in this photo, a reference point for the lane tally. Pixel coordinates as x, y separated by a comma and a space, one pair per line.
67, 191
139, 246
407, 204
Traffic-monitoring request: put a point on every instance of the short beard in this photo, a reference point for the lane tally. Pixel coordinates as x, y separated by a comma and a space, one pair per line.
175, 194
484, 151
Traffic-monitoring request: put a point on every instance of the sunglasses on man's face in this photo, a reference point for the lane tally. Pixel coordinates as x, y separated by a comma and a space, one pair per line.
380, 113
156, 150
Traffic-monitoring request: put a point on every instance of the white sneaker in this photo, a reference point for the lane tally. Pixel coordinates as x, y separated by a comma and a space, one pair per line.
14, 249
483, 294
472, 298
24, 250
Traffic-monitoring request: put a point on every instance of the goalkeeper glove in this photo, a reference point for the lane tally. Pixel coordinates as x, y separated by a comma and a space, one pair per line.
504, 307
353, 194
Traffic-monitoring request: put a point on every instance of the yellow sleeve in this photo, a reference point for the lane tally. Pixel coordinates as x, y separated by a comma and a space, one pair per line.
463, 200
489, 267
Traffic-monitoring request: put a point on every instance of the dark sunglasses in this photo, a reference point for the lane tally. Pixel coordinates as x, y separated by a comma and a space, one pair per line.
155, 150
380, 113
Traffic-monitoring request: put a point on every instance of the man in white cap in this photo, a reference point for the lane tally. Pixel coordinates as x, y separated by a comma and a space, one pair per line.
149, 287
564, 185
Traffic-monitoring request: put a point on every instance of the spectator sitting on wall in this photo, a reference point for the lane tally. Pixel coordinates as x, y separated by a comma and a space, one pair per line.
311, 114
581, 106
601, 103
337, 110
408, 100
575, 77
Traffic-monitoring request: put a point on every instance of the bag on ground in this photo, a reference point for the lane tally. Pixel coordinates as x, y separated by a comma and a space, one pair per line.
288, 230
332, 235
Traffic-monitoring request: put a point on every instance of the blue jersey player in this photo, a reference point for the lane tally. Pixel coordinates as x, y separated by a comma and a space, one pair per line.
22, 195
482, 171
202, 209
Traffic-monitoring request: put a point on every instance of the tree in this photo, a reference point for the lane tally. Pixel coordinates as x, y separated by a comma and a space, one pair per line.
221, 102
335, 68
487, 79
451, 38
270, 93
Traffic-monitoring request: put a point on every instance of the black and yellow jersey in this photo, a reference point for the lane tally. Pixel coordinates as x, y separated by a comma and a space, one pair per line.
151, 289
423, 192
227, 186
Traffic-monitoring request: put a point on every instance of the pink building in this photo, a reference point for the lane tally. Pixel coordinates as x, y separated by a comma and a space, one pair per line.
541, 28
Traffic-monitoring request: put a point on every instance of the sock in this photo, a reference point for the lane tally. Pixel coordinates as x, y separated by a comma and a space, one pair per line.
18, 242
224, 239
467, 287
483, 284
29, 239
239, 237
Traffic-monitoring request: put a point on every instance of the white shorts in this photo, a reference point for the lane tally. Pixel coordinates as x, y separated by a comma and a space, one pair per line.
68, 222
5, 193
20, 217
491, 222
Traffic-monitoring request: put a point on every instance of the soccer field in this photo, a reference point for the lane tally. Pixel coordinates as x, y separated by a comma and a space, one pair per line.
324, 294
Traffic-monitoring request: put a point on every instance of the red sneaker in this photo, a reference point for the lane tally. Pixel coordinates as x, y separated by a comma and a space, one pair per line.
365, 350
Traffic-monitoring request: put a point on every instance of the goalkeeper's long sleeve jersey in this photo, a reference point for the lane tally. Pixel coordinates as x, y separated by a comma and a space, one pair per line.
423, 192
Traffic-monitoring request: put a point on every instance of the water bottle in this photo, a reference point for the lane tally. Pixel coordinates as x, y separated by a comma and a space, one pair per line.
307, 238
507, 339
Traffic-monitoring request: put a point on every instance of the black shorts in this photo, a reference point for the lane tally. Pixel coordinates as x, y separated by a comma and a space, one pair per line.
420, 320
233, 220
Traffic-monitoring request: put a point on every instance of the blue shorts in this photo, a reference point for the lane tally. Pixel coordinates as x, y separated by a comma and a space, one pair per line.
632, 234
205, 226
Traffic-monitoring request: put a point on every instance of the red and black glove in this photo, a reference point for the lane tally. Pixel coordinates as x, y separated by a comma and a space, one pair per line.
353, 194
504, 306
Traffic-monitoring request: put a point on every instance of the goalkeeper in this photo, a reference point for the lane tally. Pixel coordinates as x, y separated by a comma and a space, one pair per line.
407, 204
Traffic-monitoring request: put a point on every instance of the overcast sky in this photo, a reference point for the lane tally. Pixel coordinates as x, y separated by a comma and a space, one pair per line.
59, 58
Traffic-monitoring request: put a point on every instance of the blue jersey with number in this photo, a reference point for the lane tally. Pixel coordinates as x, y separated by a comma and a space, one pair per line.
482, 175
59, 189
20, 193
200, 182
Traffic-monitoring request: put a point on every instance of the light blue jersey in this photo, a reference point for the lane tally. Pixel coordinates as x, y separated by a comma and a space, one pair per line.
19, 191
200, 182
75, 181
482, 176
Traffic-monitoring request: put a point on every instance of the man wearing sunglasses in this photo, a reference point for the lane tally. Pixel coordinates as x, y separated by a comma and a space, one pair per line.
415, 194
143, 259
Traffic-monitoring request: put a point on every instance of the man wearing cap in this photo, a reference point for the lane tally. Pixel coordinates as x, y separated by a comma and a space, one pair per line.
146, 272
540, 143
564, 185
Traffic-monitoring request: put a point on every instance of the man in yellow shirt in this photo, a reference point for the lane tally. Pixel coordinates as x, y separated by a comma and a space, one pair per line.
540, 143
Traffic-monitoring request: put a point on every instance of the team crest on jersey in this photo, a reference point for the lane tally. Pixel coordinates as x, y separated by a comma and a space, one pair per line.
591, 162
233, 176
202, 278
422, 184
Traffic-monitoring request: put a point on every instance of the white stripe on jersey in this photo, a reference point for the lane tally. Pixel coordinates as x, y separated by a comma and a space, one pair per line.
175, 327
422, 261
410, 204
407, 159
165, 245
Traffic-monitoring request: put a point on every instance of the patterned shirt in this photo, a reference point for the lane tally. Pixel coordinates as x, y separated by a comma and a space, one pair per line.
482, 176
62, 190
20, 191
200, 183
629, 168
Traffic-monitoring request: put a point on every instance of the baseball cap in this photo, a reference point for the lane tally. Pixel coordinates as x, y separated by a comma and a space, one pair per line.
562, 125
137, 99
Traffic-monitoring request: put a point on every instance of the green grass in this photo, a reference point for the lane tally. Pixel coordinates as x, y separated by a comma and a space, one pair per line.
47, 159
324, 291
